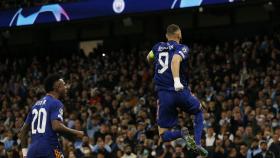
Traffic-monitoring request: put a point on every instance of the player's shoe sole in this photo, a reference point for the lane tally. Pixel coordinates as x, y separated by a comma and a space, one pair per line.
190, 143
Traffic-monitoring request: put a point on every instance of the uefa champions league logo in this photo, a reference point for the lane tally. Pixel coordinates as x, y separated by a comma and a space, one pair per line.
118, 6
187, 3
57, 11
190, 3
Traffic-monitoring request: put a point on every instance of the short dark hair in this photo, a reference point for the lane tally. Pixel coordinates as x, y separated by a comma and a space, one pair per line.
50, 81
171, 29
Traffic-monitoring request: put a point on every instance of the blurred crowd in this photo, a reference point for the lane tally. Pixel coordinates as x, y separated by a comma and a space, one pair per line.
111, 97
14, 4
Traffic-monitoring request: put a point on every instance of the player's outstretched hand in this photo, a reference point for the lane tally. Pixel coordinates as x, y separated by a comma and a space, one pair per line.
178, 85
80, 134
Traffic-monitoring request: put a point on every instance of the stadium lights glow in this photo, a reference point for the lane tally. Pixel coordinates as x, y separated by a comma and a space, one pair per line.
269, 6
200, 9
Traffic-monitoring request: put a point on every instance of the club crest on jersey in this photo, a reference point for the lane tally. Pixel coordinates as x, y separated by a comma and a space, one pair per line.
184, 49
60, 114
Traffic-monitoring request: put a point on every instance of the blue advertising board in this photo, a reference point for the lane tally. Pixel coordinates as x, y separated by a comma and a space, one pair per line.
92, 8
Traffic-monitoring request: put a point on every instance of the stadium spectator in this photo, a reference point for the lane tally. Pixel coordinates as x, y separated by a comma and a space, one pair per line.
254, 150
219, 151
210, 137
2, 150
275, 146
264, 152
128, 153
101, 148
243, 151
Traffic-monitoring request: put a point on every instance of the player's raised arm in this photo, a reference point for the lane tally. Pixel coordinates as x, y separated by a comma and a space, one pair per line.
23, 136
175, 68
173, 33
150, 56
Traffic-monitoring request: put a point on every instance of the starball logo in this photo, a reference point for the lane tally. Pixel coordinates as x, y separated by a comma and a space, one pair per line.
186, 3
57, 11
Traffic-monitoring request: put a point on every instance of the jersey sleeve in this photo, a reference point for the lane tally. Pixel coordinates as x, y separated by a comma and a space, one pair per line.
154, 48
183, 51
57, 111
28, 118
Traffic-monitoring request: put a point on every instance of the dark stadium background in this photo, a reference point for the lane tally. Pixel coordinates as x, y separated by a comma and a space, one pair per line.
234, 70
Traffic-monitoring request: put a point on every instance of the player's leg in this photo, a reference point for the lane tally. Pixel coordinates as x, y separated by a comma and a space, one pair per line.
38, 150
190, 104
43, 150
168, 135
167, 116
53, 153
